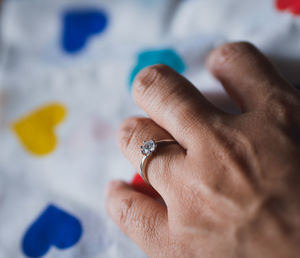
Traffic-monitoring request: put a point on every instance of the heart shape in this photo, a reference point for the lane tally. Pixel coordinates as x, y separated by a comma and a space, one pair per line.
54, 227
292, 6
158, 56
139, 185
36, 130
79, 25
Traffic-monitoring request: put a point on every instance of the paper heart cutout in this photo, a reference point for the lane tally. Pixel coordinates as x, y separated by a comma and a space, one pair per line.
54, 227
292, 6
36, 130
79, 25
139, 185
159, 56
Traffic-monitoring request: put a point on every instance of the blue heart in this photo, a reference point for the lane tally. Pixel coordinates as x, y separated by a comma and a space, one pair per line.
79, 25
54, 227
160, 56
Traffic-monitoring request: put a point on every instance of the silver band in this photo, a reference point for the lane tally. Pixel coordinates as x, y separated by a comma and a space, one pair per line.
148, 149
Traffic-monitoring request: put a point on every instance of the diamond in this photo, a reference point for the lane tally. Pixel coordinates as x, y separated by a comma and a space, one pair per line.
148, 147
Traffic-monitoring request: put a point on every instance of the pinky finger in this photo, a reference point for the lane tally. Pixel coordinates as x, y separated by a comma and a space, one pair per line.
140, 217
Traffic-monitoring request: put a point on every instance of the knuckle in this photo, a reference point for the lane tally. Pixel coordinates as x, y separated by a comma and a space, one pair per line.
281, 106
229, 53
148, 77
234, 151
149, 223
131, 218
129, 129
126, 211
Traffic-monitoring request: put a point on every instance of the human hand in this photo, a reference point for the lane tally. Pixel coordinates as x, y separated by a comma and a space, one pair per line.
231, 185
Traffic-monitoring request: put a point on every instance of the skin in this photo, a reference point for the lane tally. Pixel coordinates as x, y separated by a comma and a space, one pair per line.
231, 186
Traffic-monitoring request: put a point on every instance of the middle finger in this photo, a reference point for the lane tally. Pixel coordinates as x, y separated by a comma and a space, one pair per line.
174, 103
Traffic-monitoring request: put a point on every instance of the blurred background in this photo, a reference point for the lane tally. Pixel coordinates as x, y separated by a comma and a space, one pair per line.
66, 71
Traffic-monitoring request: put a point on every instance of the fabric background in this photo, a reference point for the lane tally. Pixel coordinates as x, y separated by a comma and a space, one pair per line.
93, 85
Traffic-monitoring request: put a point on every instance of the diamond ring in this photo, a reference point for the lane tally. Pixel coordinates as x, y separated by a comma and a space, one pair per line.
147, 150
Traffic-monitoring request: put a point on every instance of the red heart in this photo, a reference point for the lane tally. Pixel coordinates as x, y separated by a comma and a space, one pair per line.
139, 185
292, 6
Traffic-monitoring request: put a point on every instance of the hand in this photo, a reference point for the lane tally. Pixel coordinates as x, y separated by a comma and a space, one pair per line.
231, 185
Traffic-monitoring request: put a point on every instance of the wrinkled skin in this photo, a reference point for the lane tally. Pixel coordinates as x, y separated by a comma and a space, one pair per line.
231, 185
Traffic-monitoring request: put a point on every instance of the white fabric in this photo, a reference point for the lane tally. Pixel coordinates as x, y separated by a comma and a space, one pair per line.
93, 86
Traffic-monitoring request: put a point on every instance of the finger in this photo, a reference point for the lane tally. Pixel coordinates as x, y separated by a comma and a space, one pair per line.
164, 165
141, 218
246, 74
173, 103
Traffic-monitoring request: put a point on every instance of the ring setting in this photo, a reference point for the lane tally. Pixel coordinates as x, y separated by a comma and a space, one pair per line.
147, 150
148, 147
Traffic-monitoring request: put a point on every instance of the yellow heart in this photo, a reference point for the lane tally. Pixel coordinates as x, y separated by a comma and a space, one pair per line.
36, 130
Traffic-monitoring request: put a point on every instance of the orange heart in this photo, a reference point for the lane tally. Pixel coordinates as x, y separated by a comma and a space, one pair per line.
36, 131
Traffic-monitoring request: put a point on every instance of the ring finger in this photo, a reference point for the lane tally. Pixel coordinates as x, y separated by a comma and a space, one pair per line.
163, 166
